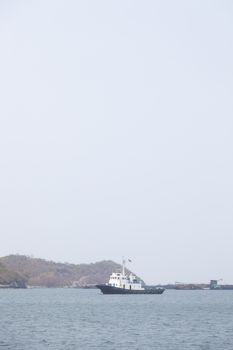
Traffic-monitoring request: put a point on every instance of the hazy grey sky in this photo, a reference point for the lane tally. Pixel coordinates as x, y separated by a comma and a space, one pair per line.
116, 123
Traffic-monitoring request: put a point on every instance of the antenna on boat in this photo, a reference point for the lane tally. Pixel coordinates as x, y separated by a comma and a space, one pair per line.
123, 265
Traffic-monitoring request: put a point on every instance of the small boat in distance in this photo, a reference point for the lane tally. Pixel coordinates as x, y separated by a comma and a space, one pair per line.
121, 283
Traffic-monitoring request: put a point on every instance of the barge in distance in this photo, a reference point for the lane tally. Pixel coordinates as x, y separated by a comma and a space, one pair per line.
121, 283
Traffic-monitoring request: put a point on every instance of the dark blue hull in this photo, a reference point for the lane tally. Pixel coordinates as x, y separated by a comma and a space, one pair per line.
106, 289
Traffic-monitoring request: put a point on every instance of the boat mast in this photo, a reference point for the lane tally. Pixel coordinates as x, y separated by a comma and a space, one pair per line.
123, 266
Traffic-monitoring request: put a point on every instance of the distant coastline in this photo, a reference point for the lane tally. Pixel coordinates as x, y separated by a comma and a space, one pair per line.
20, 271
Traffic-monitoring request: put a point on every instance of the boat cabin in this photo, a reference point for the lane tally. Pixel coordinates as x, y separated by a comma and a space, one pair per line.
120, 280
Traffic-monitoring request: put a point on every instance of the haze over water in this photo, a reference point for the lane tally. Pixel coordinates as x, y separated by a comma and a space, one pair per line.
116, 134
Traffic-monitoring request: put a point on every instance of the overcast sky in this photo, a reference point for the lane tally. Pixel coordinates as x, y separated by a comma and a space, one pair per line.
116, 134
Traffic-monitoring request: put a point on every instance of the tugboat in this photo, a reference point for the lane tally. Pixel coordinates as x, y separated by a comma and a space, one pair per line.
121, 283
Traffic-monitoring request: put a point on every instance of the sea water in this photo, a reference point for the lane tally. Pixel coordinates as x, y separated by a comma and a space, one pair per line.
70, 319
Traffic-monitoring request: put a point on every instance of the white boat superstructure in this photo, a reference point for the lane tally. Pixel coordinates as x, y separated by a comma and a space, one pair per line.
121, 280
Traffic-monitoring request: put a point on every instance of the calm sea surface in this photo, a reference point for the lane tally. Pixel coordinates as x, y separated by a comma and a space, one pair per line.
85, 319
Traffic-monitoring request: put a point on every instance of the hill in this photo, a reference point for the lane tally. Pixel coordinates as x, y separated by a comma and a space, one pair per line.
11, 279
43, 273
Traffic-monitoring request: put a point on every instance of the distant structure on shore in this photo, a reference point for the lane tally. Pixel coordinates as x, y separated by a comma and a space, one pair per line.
215, 286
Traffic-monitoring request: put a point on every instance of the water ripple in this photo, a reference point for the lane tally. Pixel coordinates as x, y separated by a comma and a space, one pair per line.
73, 319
